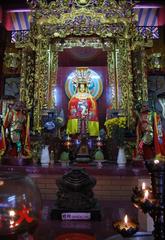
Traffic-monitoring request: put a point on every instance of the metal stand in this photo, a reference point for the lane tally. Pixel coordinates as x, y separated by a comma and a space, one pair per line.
155, 203
157, 171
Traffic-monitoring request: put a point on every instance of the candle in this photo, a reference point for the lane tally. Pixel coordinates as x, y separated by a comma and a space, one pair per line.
156, 161
11, 224
68, 142
146, 194
1, 183
126, 220
99, 138
11, 213
143, 186
126, 228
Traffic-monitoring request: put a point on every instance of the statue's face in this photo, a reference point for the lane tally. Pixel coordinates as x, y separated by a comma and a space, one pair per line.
82, 88
145, 107
19, 106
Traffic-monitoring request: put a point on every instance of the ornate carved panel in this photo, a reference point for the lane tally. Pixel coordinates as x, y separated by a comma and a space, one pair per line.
105, 24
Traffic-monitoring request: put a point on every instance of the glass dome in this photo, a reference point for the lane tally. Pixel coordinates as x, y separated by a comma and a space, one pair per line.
20, 204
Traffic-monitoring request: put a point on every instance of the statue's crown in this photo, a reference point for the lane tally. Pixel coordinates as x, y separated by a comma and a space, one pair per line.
82, 75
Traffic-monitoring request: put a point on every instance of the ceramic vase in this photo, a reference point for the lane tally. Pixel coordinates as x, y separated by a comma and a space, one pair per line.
45, 158
121, 158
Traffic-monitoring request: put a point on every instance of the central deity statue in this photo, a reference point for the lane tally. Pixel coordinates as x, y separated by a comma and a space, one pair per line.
82, 107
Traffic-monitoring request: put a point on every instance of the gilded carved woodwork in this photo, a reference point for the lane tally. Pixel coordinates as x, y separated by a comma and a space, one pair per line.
156, 61
93, 42
23, 77
140, 88
126, 79
112, 76
41, 82
105, 19
52, 80
27, 78
61, 24
144, 75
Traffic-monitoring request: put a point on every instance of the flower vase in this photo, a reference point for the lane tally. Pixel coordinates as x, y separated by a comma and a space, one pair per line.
121, 158
45, 158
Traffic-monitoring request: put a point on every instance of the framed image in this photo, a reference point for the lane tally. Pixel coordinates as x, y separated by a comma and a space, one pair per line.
11, 87
160, 85
156, 87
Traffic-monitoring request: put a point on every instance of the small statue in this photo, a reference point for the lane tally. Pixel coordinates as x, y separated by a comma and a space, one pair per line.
160, 108
2, 142
53, 121
150, 134
16, 137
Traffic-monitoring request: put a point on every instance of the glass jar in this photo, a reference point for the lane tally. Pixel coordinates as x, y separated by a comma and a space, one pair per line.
20, 204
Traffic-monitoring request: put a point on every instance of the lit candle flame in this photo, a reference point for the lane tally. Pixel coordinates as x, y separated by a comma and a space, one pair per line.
1, 183
68, 138
146, 194
143, 186
126, 219
156, 161
11, 213
11, 222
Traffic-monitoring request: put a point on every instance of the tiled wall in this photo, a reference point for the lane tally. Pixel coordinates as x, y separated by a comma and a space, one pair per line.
107, 187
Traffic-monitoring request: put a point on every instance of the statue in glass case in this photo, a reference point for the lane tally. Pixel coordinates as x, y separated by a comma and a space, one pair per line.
82, 107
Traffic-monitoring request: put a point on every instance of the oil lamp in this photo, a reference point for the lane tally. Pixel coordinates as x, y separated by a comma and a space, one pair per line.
20, 204
126, 227
68, 142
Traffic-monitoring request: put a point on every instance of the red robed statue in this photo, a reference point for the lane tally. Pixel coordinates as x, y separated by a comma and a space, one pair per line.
15, 137
82, 107
150, 135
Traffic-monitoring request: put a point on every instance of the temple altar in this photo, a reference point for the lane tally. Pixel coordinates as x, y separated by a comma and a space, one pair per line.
82, 113
82, 86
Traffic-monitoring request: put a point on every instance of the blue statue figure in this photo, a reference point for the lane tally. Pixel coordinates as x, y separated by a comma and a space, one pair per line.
53, 121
